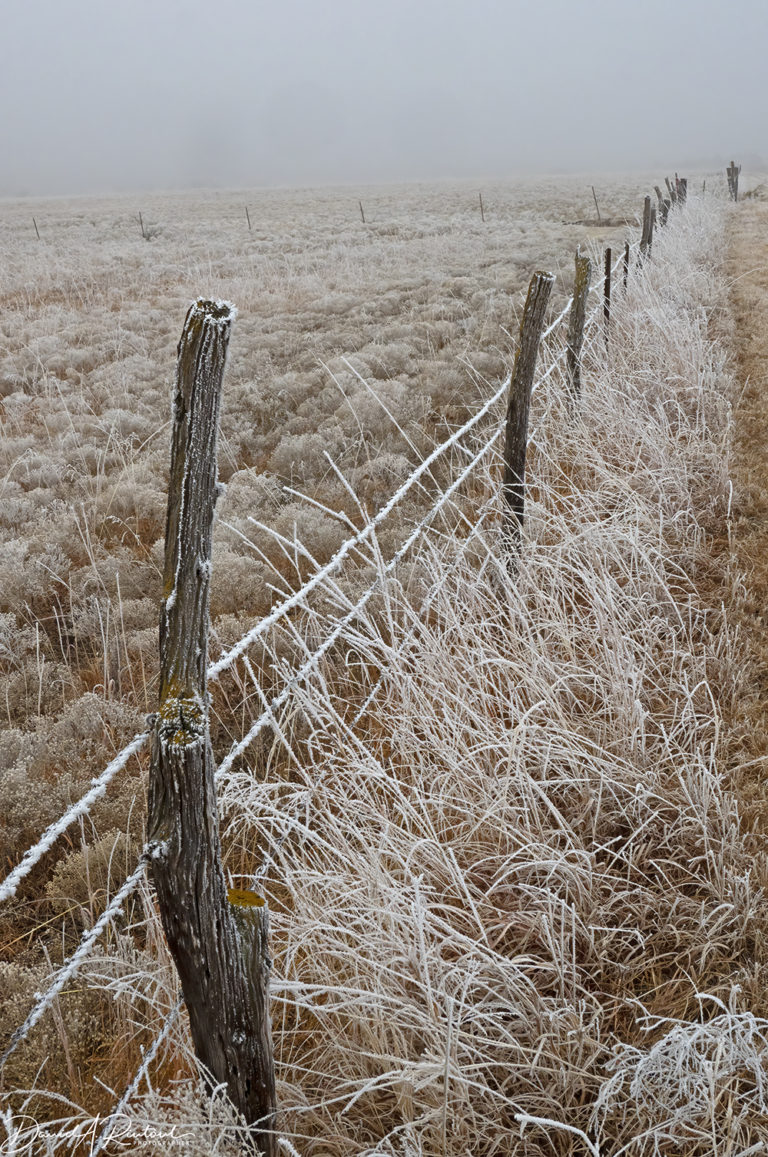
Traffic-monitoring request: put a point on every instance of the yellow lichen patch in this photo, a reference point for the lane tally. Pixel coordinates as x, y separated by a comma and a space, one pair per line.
181, 720
242, 898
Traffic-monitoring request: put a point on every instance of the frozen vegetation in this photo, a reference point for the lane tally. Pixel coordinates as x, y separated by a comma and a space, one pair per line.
513, 908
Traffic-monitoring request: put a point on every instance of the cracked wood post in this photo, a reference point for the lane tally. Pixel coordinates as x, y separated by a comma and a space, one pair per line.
518, 404
218, 941
626, 264
576, 322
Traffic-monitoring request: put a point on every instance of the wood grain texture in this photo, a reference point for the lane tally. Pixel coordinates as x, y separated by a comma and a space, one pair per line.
576, 322
226, 1001
518, 405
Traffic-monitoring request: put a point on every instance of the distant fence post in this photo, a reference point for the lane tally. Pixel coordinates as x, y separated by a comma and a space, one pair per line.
671, 190
576, 322
607, 293
518, 405
626, 264
645, 239
682, 189
666, 206
732, 172
218, 941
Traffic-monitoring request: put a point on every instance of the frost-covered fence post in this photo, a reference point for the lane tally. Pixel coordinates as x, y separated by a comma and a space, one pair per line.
682, 189
218, 941
518, 405
733, 171
645, 239
576, 322
666, 206
607, 293
626, 264
659, 197
671, 191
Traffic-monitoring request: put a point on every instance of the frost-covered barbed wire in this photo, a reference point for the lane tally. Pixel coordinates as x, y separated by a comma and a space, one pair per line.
149, 1056
80, 808
34, 854
310, 664
44, 1000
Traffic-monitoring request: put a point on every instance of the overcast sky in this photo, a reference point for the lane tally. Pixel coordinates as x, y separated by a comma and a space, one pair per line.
100, 95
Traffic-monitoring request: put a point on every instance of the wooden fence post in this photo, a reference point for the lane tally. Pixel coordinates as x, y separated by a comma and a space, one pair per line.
518, 405
362, 211
666, 206
626, 264
682, 190
482, 210
659, 196
645, 238
218, 941
671, 190
733, 180
597, 207
607, 293
576, 322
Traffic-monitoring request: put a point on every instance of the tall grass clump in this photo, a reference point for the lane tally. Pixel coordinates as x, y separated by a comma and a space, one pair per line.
513, 909
511, 883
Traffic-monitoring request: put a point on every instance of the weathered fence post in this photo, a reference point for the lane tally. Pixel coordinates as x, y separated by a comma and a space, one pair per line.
659, 197
597, 207
671, 190
362, 211
607, 293
626, 264
666, 206
682, 189
482, 210
576, 322
218, 942
518, 405
645, 239
732, 172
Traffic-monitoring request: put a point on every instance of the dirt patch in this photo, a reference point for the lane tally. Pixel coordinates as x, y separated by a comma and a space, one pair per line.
748, 271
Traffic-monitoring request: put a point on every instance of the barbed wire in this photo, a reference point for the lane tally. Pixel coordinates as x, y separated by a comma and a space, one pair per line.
100, 784
35, 853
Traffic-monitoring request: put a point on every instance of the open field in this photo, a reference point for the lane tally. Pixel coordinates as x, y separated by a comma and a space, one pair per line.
505, 865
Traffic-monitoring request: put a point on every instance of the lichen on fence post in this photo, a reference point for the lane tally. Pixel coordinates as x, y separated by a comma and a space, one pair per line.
518, 405
228, 1011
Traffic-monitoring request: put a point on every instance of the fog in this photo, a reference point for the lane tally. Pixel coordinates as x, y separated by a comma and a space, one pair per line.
179, 93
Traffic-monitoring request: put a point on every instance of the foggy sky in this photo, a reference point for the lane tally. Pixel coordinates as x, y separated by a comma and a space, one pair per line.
99, 96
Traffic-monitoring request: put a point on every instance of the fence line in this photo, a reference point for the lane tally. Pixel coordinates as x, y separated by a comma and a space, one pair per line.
99, 784
35, 853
